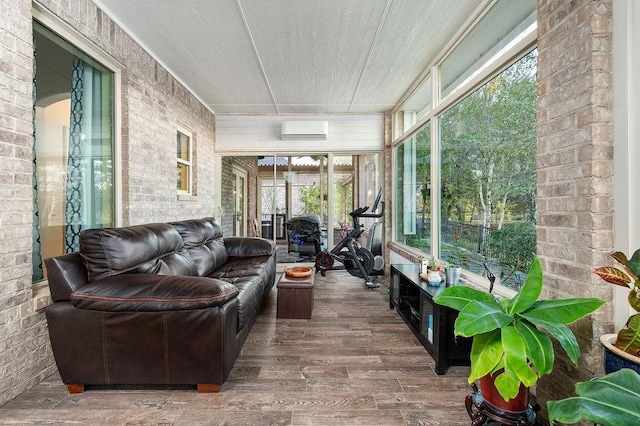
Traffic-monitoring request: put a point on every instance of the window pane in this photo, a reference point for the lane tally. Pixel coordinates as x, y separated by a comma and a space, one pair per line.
488, 175
274, 199
414, 109
413, 186
183, 177
342, 189
505, 22
183, 146
371, 185
73, 117
308, 180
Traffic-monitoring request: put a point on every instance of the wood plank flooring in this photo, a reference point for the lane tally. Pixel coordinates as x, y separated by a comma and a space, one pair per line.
354, 362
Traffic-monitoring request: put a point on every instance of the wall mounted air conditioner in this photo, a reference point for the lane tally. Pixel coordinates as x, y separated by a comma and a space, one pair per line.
305, 130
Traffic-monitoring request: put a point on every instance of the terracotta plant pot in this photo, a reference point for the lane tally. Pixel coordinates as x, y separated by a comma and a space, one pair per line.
491, 395
614, 358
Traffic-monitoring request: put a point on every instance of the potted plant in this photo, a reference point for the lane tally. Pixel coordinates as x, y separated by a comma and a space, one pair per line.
452, 273
510, 348
623, 349
454, 264
611, 400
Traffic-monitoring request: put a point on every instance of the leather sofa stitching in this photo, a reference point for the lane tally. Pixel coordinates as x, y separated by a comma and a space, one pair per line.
105, 355
166, 347
106, 254
154, 288
156, 299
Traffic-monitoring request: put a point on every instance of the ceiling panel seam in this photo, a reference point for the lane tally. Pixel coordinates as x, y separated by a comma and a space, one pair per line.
372, 47
255, 50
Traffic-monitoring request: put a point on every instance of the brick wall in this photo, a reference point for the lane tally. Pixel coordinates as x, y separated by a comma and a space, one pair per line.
25, 356
575, 187
250, 165
153, 104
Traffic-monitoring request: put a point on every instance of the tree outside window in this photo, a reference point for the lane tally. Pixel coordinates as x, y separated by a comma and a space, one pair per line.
488, 175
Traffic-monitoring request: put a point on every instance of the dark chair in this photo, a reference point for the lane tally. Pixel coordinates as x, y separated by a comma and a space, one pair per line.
304, 235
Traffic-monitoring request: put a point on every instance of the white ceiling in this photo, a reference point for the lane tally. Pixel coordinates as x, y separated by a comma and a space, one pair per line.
293, 56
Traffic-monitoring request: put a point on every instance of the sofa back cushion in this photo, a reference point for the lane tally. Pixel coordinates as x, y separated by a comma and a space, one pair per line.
204, 242
155, 248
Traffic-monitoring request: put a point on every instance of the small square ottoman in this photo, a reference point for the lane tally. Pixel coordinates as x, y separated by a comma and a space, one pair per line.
295, 296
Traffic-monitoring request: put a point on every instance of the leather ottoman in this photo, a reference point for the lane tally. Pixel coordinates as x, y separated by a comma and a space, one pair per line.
295, 297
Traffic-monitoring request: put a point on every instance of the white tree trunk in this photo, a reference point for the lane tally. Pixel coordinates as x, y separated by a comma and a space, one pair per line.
502, 212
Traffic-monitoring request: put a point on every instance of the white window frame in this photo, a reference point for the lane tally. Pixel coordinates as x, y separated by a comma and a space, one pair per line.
75, 38
241, 174
626, 139
40, 290
189, 162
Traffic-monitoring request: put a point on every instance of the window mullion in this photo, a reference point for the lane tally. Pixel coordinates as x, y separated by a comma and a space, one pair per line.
435, 188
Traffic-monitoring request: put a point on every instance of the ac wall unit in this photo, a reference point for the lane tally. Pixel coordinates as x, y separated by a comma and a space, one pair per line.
305, 130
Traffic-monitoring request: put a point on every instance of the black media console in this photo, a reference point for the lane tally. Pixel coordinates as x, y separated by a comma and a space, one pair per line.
430, 322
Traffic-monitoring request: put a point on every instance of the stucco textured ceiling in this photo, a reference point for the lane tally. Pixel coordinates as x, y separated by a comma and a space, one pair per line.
293, 56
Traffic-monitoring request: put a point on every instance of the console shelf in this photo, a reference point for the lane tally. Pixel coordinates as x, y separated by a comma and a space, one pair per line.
430, 322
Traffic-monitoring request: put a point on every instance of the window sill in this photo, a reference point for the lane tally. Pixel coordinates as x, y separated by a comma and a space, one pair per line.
41, 296
187, 197
467, 278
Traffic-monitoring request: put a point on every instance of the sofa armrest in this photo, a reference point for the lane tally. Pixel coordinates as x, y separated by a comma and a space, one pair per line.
153, 293
65, 273
249, 246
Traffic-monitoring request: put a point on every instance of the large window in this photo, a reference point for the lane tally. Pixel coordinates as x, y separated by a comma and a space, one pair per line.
413, 191
488, 176
465, 157
74, 139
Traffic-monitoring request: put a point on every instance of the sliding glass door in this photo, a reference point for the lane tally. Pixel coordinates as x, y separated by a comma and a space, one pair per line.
324, 187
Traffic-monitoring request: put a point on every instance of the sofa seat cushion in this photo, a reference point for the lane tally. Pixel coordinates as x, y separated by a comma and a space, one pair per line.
152, 293
243, 267
249, 298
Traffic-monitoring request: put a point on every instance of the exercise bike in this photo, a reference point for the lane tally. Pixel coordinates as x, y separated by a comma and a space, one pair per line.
359, 261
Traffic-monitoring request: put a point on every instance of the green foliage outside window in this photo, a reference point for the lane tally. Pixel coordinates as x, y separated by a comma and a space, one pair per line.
487, 182
310, 196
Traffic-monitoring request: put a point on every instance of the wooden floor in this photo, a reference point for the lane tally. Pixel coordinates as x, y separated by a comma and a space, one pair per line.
354, 362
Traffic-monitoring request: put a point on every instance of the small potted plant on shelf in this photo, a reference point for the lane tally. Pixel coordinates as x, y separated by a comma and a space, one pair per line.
510, 348
623, 349
454, 265
431, 270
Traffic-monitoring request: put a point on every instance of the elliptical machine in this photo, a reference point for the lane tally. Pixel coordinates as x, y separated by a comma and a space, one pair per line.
359, 261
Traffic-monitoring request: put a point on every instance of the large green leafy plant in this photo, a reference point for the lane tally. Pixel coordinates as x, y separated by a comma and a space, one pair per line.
626, 275
611, 400
507, 334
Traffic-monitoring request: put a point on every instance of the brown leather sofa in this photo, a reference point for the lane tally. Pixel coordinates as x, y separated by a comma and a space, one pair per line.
162, 303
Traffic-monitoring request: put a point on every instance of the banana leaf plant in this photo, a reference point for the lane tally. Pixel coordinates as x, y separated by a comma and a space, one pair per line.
626, 275
510, 334
611, 400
